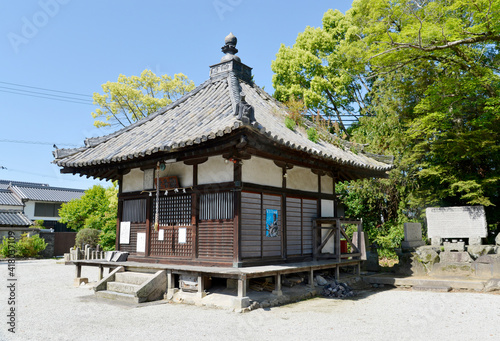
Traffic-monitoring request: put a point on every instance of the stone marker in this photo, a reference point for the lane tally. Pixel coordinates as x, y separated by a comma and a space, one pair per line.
413, 236
456, 222
119, 256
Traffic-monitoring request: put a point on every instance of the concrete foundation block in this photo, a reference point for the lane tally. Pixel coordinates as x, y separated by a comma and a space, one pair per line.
79, 280
240, 303
455, 257
436, 241
476, 240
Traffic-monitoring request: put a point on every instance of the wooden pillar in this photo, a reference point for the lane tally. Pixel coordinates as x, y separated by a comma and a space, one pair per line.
195, 200
78, 271
283, 216
337, 272
311, 278
149, 211
237, 175
101, 271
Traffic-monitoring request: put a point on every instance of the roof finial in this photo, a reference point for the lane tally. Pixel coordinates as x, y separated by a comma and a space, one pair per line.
230, 49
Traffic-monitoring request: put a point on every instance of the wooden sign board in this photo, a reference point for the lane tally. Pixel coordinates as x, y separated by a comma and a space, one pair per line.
168, 182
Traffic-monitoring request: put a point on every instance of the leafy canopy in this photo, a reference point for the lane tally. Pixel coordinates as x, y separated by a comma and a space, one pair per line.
135, 97
96, 209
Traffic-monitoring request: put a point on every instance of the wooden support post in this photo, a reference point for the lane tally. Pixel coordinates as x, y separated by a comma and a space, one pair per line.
311, 278
101, 271
78, 270
277, 285
337, 272
201, 287
78, 279
170, 284
242, 286
358, 269
338, 254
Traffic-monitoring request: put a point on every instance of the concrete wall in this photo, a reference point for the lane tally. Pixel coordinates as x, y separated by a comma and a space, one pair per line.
215, 170
262, 172
183, 172
302, 179
133, 181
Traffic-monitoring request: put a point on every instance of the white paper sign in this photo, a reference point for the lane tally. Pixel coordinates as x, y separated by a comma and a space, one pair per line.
125, 232
141, 242
182, 235
161, 234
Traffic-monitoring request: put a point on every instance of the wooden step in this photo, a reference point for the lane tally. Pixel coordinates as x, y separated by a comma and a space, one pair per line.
130, 277
125, 288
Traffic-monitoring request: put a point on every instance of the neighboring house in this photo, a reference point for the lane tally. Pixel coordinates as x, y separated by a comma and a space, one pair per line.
236, 187
34, 201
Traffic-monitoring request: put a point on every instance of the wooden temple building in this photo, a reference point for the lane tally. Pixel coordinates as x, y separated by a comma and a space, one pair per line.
216, 179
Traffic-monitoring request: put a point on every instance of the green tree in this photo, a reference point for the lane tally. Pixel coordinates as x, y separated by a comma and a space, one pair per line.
96, 209
317, 70
135, 97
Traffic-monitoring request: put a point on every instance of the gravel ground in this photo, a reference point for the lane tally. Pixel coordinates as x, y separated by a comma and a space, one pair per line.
48, 307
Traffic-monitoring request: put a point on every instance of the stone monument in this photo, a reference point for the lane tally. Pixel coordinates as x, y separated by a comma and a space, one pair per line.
413, 236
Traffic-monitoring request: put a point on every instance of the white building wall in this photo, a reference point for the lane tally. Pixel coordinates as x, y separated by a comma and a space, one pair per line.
133, 181
302, 179
215, 170
29, 211
326, 184
262, 172
182, 171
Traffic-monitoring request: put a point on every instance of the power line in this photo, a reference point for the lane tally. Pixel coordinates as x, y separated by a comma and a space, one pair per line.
54, 99
39, 142
45, 89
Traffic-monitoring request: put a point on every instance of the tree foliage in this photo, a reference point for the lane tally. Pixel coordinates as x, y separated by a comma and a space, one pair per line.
429, 75
96, 209
135, 97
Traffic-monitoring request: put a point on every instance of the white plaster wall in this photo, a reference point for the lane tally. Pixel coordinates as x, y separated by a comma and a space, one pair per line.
262, 172
302, 179
215, 170
182, 171
133, 181
326, 184
327, 211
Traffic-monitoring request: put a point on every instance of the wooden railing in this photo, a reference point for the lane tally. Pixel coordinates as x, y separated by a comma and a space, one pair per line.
336, 231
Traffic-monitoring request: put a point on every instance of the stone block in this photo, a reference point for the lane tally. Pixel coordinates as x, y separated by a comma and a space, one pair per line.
497, 240
492, 285
411, 244
427, 255
453, 269
436, 241
476, 240
371, 262
120, 257
477, 251
455, 257
109, 255
458, 246
456, 222
409, 265
413, 232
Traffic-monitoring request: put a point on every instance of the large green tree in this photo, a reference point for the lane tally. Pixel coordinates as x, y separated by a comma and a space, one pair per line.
96, 209
135, 97
429, 71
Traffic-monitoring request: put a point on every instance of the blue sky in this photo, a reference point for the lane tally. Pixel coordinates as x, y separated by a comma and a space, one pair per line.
75, 46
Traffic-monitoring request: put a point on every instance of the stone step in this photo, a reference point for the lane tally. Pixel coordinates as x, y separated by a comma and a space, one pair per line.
125, 288
454, 283
431, 288
117, 296
130, 277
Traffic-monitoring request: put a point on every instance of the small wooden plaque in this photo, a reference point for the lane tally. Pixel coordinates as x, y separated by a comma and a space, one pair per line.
168, 182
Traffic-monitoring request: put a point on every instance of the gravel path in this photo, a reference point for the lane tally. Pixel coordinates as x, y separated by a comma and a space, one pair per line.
48, 307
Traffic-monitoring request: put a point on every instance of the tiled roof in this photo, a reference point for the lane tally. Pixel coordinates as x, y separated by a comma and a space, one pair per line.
13, 218
207, 113
50, 194
8, 198
7, 183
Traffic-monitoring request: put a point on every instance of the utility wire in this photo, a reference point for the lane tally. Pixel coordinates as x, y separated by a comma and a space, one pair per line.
39, 142
45, 89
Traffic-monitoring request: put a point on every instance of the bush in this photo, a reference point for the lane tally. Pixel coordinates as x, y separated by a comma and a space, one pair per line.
290, 123
312, 134
87, 236
25, 247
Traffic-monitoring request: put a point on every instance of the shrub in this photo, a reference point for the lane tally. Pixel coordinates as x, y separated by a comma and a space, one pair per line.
312, 134
26, 246
38, 224
290, 123
87, 236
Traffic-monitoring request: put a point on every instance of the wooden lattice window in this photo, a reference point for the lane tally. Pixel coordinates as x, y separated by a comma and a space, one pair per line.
134, 210
174, 210
217, 206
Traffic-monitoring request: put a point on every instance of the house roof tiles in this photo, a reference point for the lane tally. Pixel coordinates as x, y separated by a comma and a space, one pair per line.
13, 218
